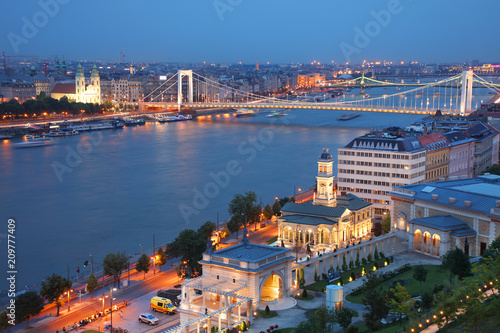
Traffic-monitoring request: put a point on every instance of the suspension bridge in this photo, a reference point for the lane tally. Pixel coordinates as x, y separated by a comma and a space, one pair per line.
453, 95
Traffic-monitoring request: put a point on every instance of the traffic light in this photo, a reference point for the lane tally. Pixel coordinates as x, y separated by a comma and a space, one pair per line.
86, 263
78, 269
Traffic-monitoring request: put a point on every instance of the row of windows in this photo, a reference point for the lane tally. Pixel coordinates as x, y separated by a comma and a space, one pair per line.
441, 172
346, 162
349, 171
376, 182
363, 181
363, 163
346, 153
461, 154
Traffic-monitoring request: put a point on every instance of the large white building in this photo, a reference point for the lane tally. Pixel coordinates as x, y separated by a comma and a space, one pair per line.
369, 166
90, 93
235, 281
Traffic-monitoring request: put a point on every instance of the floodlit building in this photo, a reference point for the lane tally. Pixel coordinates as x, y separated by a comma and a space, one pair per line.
235, 281
435, 217
330, 221
369, 166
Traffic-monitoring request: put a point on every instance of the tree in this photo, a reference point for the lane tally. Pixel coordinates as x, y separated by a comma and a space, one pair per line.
420, 274
374, 301
206, 230
386, 224
189, 246
493, 249
376, 255
242, 208
494, 169
268, 212
457, 262
114, 264
400, 300
4, 321
143, 264
161, 258
344, 318
92, 284
41, 96
28, 305
320, 321
447, 303
377, 229
276, 207
53, 287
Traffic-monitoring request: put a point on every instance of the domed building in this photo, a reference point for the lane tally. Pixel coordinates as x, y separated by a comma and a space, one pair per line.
329, 221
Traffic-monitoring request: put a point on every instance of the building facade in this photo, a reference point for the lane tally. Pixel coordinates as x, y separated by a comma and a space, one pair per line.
438, 156
369, 166
235, 281
461, 155
328, 222
90, 93
439, 216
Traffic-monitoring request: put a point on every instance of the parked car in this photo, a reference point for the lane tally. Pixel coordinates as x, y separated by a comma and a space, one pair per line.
148, 318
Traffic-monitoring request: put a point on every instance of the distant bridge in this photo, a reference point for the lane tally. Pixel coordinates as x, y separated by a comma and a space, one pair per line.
425, 98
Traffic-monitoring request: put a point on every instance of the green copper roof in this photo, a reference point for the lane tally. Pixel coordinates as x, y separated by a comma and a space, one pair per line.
94, 73
79, 72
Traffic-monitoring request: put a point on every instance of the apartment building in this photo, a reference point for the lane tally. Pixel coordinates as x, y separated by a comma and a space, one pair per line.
438, 156
369, 166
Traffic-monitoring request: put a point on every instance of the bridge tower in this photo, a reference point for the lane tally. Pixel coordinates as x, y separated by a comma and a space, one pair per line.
466, 98
362, 83
180, 74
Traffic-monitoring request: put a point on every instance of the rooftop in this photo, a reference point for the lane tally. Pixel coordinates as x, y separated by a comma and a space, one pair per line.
442, 222
374, 142
480, 194
249, 252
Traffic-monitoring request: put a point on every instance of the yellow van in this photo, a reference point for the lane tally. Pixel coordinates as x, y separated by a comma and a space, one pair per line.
163, 305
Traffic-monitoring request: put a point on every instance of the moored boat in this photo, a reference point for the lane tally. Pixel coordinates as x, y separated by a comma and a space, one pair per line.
182, 117
277, 114
167, 119
133, 122
67, 131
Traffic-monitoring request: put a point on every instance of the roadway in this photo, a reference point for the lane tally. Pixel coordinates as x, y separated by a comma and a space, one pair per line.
133, 295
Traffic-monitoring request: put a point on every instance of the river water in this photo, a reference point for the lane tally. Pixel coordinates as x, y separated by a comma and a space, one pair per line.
113, 190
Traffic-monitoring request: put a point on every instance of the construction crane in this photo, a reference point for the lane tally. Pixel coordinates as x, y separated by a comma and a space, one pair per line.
4, 58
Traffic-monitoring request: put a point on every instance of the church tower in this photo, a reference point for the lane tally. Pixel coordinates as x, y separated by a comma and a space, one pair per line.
325, 194
80, 84
257, 66
95, 81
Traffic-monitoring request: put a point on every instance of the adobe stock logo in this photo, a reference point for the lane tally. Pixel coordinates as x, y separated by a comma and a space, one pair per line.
223, 6
363, 37
30, 28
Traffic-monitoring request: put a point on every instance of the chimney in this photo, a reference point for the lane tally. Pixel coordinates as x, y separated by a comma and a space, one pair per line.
467, 203
435, 197
452, 200
498, 203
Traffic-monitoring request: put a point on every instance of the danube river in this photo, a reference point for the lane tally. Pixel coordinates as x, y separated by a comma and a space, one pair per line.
110, 191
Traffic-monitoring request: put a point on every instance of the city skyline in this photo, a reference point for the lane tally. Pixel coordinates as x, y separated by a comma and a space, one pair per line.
234, 30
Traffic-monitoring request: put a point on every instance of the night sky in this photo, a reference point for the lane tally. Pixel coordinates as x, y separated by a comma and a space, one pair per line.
278, 31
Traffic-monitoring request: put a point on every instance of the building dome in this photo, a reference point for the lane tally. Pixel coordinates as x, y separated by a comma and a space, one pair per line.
325, 155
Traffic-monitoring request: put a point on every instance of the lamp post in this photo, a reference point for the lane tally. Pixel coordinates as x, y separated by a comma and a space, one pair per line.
300, 195
111, 300
69, 291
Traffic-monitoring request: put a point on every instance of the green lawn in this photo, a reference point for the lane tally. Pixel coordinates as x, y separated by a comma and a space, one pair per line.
263, 314
435, 276
272, 240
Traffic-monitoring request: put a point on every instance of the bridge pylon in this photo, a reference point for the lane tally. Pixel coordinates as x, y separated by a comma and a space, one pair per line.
180, 74
466, 98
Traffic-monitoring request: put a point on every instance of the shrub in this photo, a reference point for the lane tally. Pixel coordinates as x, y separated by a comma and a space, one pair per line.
316, 277
352, 329
341, 283
353, 276
243, 326
267, 311
382, 255
437, 288
344, 267
369, 258
363, 260
351, 264
376, 254
304, 293
324, 276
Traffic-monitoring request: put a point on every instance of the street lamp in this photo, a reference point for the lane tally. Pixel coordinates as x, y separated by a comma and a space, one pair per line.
69, 291
111, 300
300, 194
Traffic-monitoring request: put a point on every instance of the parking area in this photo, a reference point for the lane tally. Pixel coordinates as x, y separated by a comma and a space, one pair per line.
141, 305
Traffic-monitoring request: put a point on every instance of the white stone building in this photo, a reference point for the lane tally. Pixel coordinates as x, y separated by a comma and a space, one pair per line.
369, 166
235, 281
